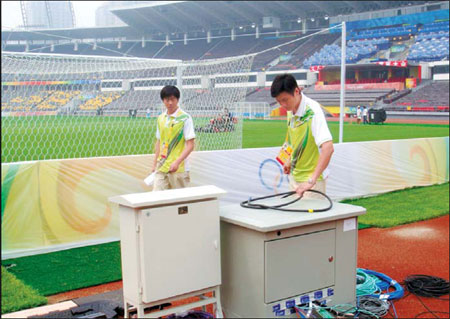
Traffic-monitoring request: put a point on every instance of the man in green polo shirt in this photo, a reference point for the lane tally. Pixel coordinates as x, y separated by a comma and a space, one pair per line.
308, 137
174, 142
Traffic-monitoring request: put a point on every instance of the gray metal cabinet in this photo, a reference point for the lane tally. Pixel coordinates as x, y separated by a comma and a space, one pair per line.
273, 260
298, 264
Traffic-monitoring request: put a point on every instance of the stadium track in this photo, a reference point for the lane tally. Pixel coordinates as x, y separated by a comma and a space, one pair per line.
416, 248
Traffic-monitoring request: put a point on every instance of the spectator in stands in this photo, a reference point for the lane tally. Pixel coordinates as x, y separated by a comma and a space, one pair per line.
364, 115
307, 134
358, 114
174, 142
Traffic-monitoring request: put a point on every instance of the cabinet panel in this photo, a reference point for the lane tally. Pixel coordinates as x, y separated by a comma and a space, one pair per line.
299, 264
180, 249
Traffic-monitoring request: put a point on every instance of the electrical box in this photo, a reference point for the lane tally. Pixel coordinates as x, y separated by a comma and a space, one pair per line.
170, 243
273, 260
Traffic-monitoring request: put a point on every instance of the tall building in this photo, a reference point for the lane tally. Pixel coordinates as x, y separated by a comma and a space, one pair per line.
47, 14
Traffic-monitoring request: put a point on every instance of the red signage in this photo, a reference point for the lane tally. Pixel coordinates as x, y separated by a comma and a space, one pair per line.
316, 68
402, 63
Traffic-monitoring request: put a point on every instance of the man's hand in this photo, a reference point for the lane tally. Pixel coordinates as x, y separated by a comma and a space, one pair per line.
303, 187
174, 167
287, 167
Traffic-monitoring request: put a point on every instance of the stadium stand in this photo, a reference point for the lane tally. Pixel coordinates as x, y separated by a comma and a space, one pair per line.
352, 97
139, 100
99, 100
262, 61
260, 95
304, 49
326, 98
22, 100
432, 97
331, 54
432, 43
57, 99
194, 50
389, 32
226, 47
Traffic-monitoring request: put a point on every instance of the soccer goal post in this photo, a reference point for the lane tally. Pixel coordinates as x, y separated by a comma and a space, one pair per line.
72, 106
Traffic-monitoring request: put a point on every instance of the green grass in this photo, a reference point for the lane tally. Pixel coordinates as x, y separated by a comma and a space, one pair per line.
54, 137
70, 269
259, 133
404, 206
16, 295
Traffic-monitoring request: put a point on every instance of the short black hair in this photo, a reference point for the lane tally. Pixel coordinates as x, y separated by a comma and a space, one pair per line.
168, 91
283, 83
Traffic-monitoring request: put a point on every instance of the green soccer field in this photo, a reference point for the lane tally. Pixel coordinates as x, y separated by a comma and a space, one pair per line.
45, 137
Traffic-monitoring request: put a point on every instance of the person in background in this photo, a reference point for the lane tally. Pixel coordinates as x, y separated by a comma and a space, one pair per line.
174, 142
308, 137
364, 115
358, 114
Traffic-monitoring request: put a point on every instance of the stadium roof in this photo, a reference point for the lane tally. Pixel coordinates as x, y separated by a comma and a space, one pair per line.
182, 16
191, 16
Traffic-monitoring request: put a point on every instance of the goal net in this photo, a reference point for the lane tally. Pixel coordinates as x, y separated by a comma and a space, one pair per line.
66, 106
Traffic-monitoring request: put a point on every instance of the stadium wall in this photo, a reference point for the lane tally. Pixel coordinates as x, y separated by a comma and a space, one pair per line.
59, 204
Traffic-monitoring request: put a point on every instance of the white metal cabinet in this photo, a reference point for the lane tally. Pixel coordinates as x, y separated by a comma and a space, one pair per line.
170, 248
185, 255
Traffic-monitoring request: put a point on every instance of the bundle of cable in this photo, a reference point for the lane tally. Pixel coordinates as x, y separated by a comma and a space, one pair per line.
374, 283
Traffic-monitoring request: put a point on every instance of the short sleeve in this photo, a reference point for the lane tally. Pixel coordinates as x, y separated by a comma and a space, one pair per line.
188, 130
158, 135
319, 127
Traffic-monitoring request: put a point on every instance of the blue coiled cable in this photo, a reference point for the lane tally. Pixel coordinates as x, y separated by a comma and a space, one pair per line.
385, 283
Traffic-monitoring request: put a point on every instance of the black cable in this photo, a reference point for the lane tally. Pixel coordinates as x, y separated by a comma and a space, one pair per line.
426, 307
426, 312
250, 203
427, 286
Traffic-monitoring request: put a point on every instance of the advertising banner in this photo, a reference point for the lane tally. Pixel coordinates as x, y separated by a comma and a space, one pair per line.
59, 204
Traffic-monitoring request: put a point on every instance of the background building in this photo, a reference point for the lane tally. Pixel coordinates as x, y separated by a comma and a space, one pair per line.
47, 14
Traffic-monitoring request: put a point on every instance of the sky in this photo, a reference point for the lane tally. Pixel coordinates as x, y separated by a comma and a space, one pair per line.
84, 13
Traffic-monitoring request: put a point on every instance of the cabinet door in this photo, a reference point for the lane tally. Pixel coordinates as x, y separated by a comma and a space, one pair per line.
180, 249
299, 264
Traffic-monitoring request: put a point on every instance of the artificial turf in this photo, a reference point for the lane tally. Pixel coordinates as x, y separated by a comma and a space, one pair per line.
70, 269
404, 206
16, 295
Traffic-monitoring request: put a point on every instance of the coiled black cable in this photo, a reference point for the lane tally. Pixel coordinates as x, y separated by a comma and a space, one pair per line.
427, 286
251, 203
